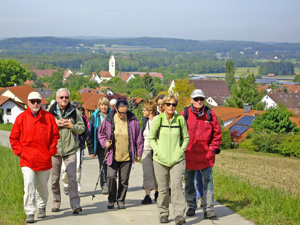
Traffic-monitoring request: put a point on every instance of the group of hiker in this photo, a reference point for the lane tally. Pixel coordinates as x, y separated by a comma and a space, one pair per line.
171, 146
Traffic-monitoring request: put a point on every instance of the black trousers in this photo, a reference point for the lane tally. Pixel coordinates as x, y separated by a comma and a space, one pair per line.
122, 169
103, 173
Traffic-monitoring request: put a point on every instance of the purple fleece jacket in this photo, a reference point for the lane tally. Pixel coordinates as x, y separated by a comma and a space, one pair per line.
135, 136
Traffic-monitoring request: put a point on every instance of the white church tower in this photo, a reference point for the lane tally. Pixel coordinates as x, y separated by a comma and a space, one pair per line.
112, 66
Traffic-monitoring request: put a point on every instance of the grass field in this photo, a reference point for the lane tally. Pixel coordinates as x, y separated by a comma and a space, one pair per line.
7, 126
263, 188
11, 189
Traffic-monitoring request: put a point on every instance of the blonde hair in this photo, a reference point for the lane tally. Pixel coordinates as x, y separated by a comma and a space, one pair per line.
150, 106
103, 100
169, 97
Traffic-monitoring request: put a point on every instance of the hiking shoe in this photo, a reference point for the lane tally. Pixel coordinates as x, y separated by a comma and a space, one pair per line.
77, 209
179, 220
163, 219
147, 200
66, 190
110, 205
155, 196
190, 212
42, 213
55, 209
105, 190
210, 215
30, 218
121, 206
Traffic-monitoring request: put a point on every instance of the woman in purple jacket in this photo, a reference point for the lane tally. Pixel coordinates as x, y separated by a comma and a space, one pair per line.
120, 133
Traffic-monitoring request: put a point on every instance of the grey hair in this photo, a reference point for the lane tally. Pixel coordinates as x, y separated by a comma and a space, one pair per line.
62, 89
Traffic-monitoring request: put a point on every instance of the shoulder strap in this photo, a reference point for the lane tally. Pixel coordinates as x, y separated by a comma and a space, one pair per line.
207, 109
186, 112
158, 130
180, 127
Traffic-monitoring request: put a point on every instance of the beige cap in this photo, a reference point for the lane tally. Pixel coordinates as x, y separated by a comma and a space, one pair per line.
197, 93
34, 95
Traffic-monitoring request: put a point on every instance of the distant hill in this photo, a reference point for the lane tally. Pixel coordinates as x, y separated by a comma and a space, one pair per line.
87, 44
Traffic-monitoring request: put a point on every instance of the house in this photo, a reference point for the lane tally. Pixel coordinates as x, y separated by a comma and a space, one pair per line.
264, 87
227, 114
90, 105
20, 93
67, 74
271, 75
125, 76
151, 74
241, 125
105, 75
290, 88
86, 93
109, 92
43, 73
44, 92
10, 109
95, 78
290, 101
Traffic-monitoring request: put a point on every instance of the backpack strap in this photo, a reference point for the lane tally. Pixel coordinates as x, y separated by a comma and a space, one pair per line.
207, 109
186, 112
158, 130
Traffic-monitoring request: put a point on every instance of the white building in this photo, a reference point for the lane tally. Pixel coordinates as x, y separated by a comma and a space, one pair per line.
112, 66
10, 109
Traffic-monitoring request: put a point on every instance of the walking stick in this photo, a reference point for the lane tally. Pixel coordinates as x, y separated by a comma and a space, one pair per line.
93, 196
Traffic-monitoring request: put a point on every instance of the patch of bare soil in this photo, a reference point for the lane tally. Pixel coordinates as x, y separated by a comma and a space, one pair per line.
261, 169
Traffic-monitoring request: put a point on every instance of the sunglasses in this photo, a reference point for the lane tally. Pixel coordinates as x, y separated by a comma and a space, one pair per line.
199, 99
35, 101
122, 112
64, 97
171, 104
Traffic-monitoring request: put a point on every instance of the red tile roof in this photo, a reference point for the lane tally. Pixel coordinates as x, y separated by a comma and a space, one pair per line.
105, 74
124, 76
22, 93
227, 113
67, 73
42, 73
29, 82
91, 103
159, 75
291, 88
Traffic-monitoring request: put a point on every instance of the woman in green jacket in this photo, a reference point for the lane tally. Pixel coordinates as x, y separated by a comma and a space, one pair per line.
168, 137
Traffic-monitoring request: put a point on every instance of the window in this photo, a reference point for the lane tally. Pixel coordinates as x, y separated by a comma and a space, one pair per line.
8, 111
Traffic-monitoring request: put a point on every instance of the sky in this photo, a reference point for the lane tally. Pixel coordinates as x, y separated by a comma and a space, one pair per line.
242, 20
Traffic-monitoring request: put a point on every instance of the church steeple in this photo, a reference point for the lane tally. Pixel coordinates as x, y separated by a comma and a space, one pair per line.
112, 66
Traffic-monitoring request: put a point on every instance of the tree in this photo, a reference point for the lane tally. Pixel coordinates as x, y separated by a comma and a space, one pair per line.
38, 84
12, 72
148, 82
182, 90
245, 91
230, 72
275, 120
140, 93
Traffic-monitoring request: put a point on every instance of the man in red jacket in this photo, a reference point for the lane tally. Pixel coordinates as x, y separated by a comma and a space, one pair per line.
34, 138
205, 138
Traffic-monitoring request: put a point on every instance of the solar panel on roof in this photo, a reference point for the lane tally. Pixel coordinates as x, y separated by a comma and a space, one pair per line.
240, 129
245, 120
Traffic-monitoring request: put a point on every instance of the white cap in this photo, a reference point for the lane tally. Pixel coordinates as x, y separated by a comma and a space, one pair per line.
34, 95
197, 93
113, 101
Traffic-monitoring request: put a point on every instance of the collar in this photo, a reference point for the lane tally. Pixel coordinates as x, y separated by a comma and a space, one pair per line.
200, 113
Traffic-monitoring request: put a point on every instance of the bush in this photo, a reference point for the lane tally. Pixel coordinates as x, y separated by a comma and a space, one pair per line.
290, 145
226, 140
266, 142
248, 144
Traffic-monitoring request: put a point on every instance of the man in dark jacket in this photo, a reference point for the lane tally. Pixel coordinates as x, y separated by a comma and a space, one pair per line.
70, 123
205, 138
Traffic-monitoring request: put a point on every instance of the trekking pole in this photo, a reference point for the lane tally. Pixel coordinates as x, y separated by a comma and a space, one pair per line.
102, 166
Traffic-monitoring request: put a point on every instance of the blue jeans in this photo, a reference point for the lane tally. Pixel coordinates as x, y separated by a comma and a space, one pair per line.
198, 184
208, 189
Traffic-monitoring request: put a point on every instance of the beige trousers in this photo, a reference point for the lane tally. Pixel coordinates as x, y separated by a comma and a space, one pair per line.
164, 175
70, 163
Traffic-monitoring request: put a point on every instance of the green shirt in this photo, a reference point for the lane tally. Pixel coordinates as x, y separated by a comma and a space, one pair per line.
167, 149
